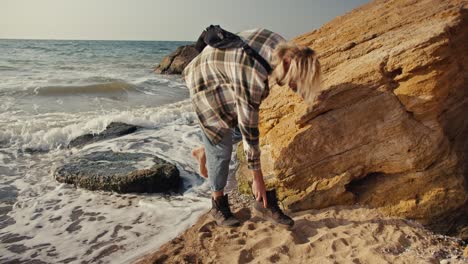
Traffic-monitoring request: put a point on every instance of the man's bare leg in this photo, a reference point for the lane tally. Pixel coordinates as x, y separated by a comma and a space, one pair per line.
199, 154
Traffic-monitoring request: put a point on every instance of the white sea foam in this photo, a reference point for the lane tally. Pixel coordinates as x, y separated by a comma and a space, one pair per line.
57, 222
48, 97
52, 130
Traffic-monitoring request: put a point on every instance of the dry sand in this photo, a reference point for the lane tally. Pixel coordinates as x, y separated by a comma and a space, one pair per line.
334, 235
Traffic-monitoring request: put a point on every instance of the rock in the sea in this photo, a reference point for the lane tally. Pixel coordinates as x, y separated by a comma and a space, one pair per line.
176, 62
120, 172
390, 127
113, 130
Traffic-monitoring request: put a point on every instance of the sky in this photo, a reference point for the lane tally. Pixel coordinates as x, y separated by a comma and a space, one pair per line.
161, 19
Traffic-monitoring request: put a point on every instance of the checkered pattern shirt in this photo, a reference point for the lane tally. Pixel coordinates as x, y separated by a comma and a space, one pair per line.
227, 87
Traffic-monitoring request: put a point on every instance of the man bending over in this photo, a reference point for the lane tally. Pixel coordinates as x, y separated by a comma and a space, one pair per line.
227, 87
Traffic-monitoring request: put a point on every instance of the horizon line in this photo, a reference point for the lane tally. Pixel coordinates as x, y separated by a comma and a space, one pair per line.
96, 39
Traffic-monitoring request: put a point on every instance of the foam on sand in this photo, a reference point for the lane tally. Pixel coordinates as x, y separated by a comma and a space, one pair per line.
55, 222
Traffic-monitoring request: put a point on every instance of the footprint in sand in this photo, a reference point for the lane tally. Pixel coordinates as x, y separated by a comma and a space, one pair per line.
245, 256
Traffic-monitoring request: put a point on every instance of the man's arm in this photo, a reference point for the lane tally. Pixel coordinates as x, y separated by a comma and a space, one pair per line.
248, 125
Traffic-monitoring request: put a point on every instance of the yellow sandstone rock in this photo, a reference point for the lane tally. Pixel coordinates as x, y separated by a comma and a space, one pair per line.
389, 128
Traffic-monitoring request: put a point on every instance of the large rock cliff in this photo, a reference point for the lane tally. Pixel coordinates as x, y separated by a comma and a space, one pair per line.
390, 127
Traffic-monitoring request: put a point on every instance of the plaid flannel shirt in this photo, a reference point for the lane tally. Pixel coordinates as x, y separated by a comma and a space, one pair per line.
227, 87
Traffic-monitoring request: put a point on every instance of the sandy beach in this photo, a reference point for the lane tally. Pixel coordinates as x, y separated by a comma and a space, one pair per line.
339, 234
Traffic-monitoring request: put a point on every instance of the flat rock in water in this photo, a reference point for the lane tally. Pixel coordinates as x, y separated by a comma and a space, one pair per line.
120, 172
113, 130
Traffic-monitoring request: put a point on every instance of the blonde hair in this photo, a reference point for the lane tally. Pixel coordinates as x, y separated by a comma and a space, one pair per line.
304, 69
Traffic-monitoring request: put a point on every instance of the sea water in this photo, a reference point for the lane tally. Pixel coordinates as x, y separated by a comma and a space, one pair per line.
52, 91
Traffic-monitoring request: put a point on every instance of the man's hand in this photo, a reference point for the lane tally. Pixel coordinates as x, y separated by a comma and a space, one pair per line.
258, 187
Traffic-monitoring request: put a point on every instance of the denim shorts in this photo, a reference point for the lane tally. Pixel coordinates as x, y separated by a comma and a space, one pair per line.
218, 158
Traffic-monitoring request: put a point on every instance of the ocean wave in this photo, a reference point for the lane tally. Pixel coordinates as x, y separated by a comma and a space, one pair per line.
135, 65
67, 67
100, 88
38, 123
50, 131
7, 68
20, 61
46, 49
158, 81
150, 85
101, 79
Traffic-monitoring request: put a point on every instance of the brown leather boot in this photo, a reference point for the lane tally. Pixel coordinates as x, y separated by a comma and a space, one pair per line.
221, 212
273, 212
